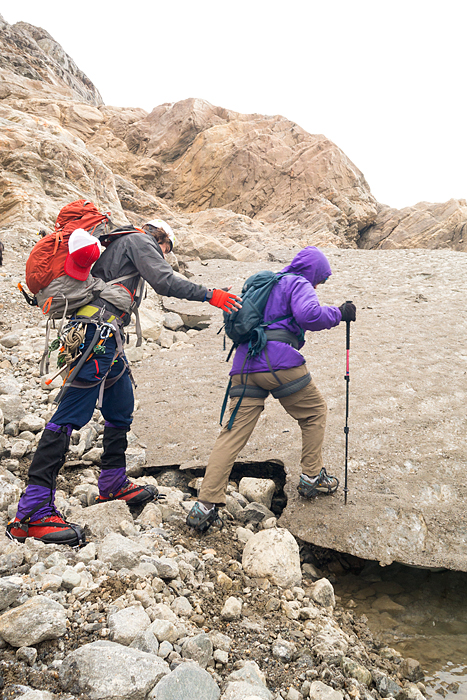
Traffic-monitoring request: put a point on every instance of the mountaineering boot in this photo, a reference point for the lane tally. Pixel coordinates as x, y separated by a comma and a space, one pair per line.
309, 487
52, 529
132, 494
201, 517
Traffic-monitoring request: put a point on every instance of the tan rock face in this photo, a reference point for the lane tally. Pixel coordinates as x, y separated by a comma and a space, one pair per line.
233, 186
422, 226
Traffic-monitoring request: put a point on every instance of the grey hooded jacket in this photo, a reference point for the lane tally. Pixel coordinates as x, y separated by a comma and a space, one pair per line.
136, 256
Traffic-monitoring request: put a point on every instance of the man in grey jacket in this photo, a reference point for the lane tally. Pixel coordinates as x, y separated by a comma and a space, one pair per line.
130, 258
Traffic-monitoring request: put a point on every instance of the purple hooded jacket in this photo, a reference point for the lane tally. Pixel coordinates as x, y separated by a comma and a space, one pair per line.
294, 294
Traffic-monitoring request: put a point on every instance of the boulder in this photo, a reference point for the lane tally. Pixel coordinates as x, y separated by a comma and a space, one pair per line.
120, 552
36, 620
273, 554
182, 682
108, 671
102, 519
125, 625
257, 490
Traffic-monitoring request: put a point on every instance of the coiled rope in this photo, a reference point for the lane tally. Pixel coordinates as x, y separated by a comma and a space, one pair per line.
71, 344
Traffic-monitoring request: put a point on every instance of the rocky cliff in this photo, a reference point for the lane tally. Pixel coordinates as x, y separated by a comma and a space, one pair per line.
233, 186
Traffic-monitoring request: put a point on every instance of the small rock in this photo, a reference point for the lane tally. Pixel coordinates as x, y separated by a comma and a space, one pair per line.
182, 607
151, 515
355, 670
10, 590
198, 648
166, 568
284, 650
126, 624
9, 385
27, 654
220, 641
221, 657
224, 581
322, 592
146, 641
386, 687
411, 669
32, 422
232, 609
19, 449
165, 649
13, 409
70, 579
243, 535
321, 691
172, 321
255, 513
247, 682
164, 631
410, 692
86, 554
94, 455
10, 340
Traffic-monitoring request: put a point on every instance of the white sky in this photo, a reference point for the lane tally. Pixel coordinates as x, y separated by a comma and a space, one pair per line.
384, 80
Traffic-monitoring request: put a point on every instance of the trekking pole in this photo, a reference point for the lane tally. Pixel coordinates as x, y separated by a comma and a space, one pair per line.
347, 380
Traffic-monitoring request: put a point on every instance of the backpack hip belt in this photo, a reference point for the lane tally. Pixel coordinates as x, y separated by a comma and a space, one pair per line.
282, 336
256, 392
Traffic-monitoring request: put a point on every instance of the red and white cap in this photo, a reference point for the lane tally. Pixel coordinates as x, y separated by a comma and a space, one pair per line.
83, 251
158, 223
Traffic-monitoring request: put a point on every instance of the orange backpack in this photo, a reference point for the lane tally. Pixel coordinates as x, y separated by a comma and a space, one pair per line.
46, 261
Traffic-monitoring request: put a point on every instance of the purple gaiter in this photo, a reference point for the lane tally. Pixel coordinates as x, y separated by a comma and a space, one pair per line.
31, 498
111, 481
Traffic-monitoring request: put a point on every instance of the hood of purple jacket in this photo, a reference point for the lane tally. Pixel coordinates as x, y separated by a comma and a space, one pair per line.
295, 301
311, 263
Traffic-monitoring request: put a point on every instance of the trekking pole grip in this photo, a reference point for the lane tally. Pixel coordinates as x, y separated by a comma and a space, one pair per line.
347, 346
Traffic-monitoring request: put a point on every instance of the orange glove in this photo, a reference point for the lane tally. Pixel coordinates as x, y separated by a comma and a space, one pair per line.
224, 300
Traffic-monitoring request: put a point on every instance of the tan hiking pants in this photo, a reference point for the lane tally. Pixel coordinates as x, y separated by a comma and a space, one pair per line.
307, 406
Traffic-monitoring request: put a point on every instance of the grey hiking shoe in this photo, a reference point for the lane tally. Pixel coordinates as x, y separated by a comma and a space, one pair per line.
323, 483
201, 518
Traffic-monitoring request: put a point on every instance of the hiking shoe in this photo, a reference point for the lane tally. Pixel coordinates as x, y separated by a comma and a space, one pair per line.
52, 529
323, 483
201, 518
132, 494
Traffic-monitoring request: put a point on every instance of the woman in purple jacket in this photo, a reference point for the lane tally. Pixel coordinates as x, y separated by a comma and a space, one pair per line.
281, 370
